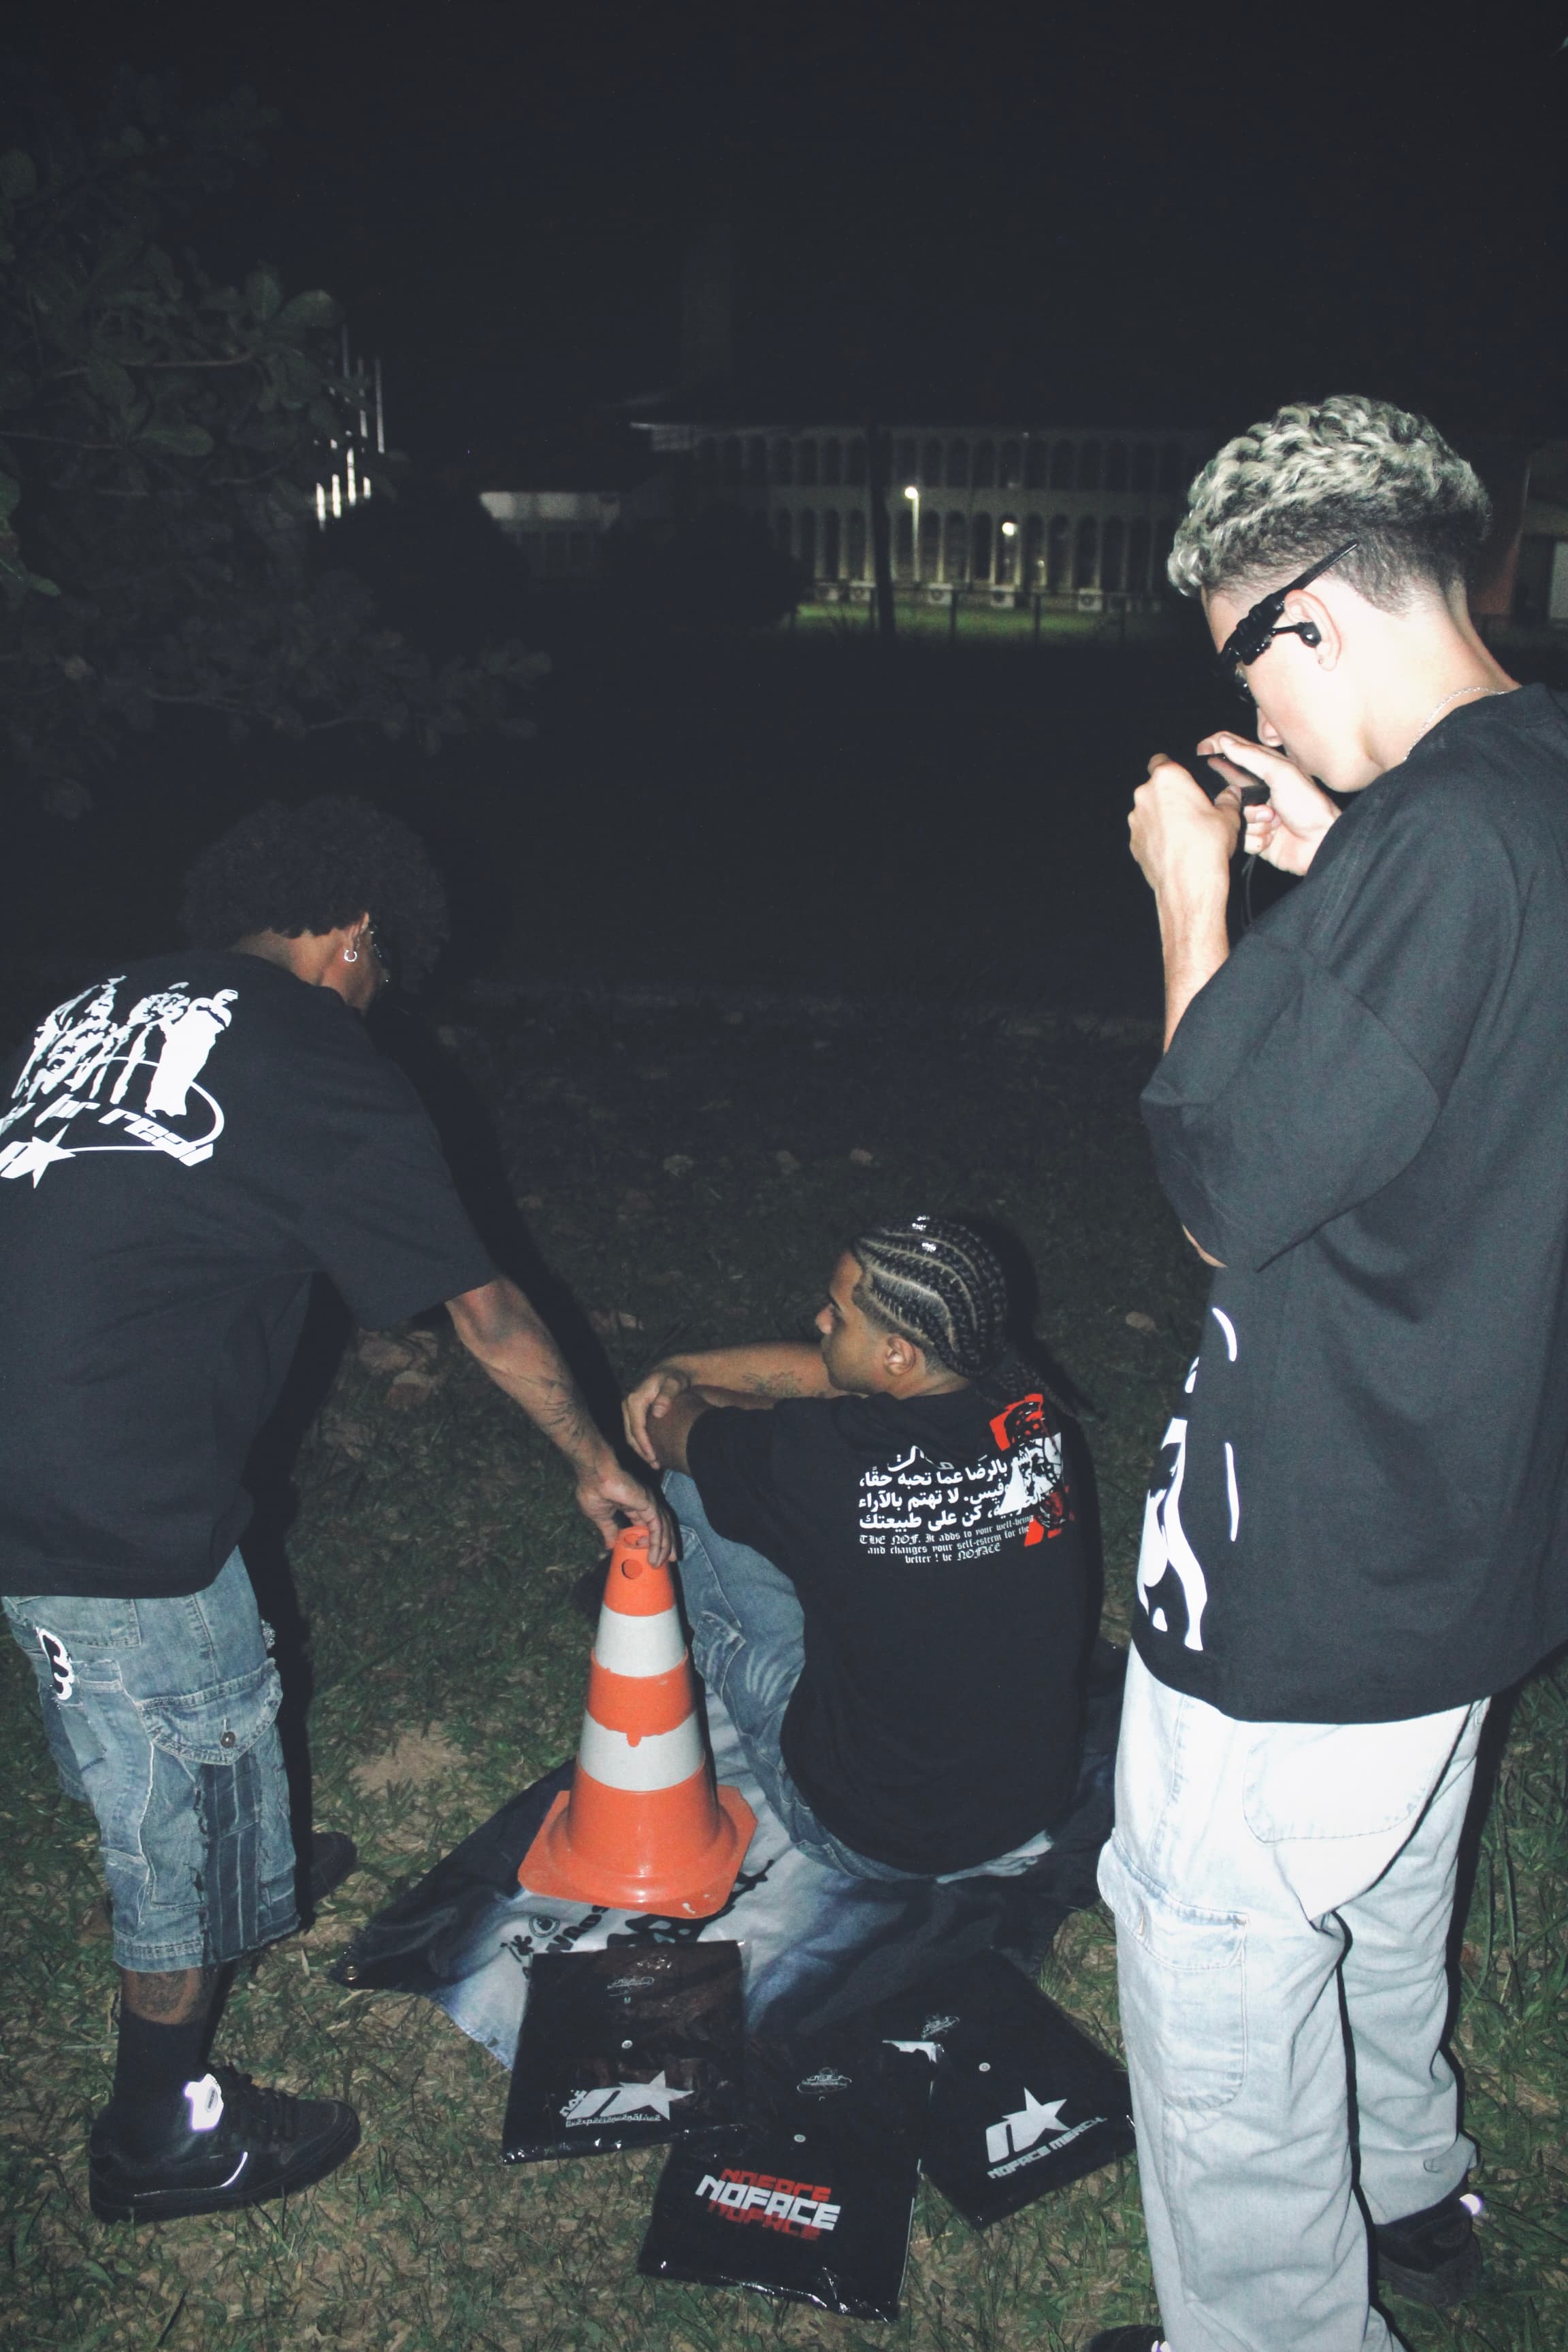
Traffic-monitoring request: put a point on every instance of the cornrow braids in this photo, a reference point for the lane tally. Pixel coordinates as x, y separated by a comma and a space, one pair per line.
935, 1281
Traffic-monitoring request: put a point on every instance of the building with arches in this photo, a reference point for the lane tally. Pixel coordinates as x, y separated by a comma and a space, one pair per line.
1079, 517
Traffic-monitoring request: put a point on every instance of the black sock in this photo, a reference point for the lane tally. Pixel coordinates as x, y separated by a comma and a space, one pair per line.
154, 2062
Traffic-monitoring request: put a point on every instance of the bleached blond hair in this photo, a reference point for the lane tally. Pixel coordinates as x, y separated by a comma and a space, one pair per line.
1285, 493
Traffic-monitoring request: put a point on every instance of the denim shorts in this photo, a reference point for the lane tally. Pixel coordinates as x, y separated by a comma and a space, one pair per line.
160, 1714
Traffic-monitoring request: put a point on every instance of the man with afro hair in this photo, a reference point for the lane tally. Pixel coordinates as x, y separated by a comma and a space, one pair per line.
183, 1146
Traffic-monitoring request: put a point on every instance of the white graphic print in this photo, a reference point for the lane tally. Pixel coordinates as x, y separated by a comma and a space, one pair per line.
1171, 1583
608, 2102
1024, 2127
95, 1082
61, 1670
1011, 2145
205, 2100
934, 1513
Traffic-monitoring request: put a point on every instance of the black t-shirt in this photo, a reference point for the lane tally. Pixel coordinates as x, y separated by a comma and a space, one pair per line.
939, 1567
1360, 1512
181, 1147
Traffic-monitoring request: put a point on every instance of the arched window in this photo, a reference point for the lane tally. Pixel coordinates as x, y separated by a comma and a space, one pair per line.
958, 465
1063, 458
832, 462
854, 473
1007, 551
1089, 465
985, 465
1142, 466
1034, 552
980, 548
955, 548
805, 541
830, 544
931, 465
1010, 466
857, 544
784, 523
904, 462
1085, 547
1171, 466
1116, 465
756, 459
707, 454
784, 462
904, 541
732, 457
1112, 553
1058, 558
930, 544
1138, 558
1037, 462
806, 461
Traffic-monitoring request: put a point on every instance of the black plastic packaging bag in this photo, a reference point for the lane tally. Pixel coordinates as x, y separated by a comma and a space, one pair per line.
624, 2047
813, 2201
1024, 2101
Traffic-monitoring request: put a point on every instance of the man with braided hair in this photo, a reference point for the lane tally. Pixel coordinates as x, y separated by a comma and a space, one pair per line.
1358, 1531
883, 1565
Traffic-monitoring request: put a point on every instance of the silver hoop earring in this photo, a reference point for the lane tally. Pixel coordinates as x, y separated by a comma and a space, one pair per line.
350, 955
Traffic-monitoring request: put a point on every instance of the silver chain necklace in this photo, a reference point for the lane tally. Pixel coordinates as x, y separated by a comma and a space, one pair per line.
1458, 696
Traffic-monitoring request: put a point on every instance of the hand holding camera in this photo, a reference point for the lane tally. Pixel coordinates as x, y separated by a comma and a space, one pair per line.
1284, 813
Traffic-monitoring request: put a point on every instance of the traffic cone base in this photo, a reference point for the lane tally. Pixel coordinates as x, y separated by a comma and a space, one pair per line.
590, 1818
643, 1828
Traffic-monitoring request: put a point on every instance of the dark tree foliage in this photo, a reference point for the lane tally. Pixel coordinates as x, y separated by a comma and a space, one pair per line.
719, 569
160, 438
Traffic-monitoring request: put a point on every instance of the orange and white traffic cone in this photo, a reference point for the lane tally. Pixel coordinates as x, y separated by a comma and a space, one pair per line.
643, 1827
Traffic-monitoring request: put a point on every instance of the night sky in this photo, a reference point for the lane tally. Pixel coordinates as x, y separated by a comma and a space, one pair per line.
1070, 215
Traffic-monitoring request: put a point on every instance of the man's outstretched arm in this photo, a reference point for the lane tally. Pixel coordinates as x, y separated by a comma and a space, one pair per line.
754, 1376
667, 1435
502, 1331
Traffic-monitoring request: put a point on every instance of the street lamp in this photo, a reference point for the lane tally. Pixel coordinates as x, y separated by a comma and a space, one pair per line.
1009, 530
910, 492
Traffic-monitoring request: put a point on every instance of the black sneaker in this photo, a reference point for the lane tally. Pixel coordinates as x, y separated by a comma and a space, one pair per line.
1433, 2256
1127, 2340
241, 2145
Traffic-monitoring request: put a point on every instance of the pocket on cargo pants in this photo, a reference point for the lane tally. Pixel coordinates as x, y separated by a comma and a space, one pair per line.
1183, 1976
213, 1855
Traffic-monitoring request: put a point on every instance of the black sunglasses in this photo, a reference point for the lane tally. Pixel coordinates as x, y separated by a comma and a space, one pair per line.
1257, 630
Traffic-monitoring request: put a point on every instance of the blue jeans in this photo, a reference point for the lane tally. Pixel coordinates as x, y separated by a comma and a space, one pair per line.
160, 1714
748, 1642
1258, 1871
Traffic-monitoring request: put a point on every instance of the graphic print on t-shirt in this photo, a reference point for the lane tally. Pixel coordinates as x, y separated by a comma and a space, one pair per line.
1171, 1582
933, 1513
96, 1081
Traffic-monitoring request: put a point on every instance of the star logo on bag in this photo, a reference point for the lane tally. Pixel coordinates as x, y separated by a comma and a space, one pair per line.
1024, 2127
615, 2101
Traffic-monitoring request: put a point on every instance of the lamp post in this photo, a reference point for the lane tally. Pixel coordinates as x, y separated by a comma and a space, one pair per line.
1010, 531
912, 492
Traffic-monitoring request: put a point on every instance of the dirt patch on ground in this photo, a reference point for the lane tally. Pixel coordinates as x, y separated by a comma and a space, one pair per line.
416, 1760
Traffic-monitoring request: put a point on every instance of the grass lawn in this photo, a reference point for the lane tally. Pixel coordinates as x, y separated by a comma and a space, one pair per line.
688, 1174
